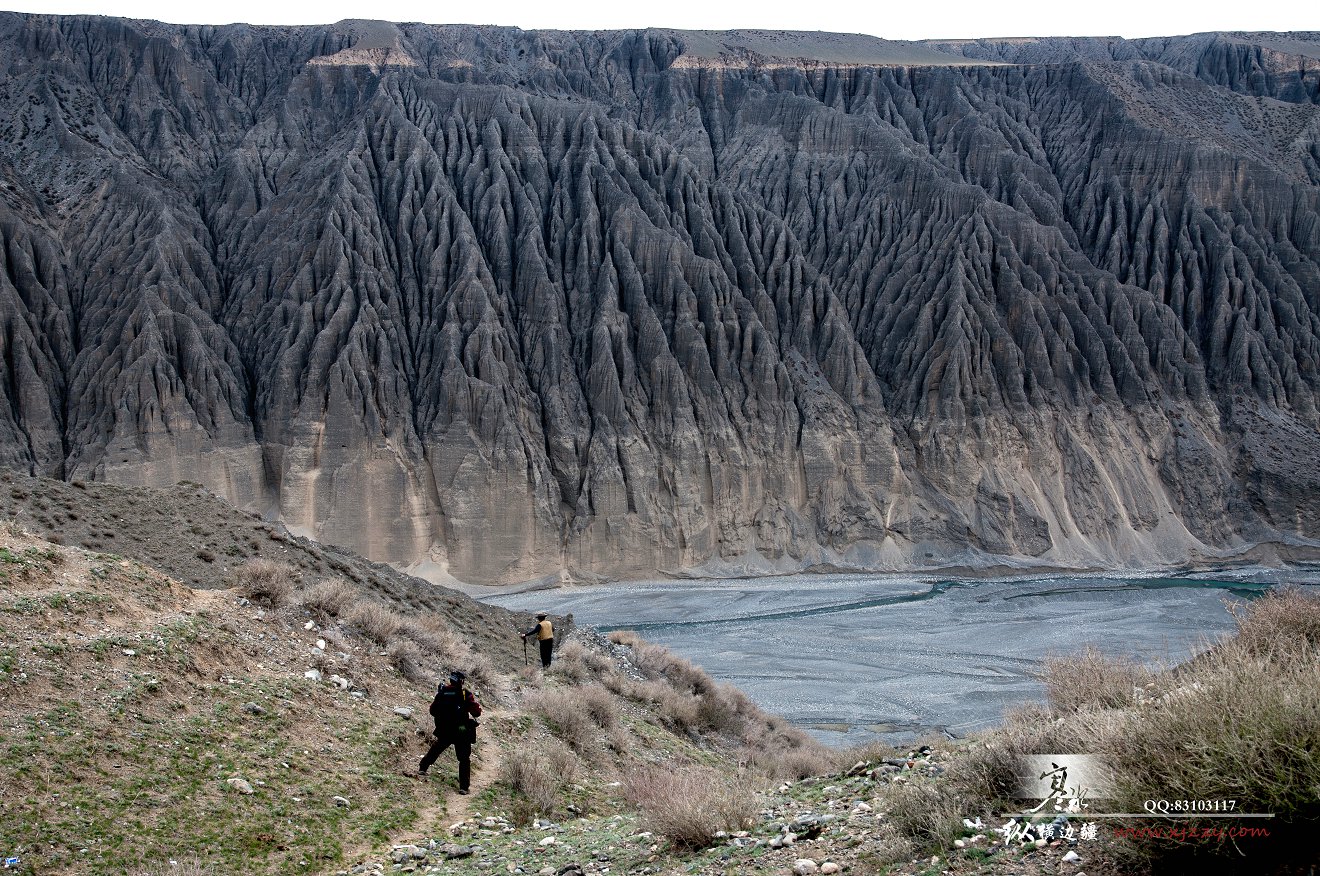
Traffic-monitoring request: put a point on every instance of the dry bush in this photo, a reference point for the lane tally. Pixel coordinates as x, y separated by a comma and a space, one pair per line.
1240, 727
405, 656
481, 673
776, 750
1281, 623
328, 597
539, 777
578, 664
374, 620
622, 685
570, 663
867, 752
688, 805
431, 633
1091, 680
598, 705
987, 772
777, 759
627, 638
433, 637
656, 661
566, 717
266, 582
677, 709
724, 709
928, 816
1238, 722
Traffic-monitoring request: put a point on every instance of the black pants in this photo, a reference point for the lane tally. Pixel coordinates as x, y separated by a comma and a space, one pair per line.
462, 749
547, 649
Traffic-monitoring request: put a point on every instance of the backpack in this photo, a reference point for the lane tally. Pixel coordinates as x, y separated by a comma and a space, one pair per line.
450, 710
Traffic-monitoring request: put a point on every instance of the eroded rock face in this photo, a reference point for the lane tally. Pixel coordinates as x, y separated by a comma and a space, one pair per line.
501, 304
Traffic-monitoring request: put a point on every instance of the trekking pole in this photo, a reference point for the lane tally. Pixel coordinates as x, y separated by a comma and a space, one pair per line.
524, 638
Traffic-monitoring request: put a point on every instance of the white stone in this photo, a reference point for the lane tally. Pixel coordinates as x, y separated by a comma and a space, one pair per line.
805, 867
242, 786
313, 674
403, 712
1072, 858
547, 841
310, 625
320, 643
340, 801
829, 868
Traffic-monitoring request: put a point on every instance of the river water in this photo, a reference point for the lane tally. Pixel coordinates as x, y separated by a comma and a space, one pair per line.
855, 657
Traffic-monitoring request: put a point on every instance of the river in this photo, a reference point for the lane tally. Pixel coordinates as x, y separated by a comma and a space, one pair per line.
855, 657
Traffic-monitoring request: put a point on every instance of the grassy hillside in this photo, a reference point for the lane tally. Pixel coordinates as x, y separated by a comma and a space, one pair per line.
272, 720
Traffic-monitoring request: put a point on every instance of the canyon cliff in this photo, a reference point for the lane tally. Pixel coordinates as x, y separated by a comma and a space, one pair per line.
496, 305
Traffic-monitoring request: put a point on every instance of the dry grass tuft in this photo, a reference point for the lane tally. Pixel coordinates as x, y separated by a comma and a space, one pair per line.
538, 778
1091, 680
374, 620
689, 805
1282, 624
1238, 721
581, 665
598, 705
929, 816
566, 717
328, 597
405, 656
266, 582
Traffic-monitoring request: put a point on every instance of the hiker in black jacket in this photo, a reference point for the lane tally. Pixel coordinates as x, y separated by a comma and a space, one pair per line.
455, 710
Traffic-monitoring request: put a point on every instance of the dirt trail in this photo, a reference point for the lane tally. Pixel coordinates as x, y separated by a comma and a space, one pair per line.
446, 806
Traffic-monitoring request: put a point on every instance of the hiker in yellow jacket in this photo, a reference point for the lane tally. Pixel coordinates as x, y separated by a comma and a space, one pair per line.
545, 634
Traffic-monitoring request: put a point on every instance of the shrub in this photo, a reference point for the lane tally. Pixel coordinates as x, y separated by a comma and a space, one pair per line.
374, 620
722, 709
266, 582
328, 597
432, 636
1240, 727
778, 758
925, 814
1238, 721
539, 777
598, 705
1091, 679
1282, 623
566, 717
627, 638
688, 805
578, 664
405, 656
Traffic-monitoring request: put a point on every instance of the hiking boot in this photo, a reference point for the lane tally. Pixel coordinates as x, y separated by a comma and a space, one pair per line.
463, 791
